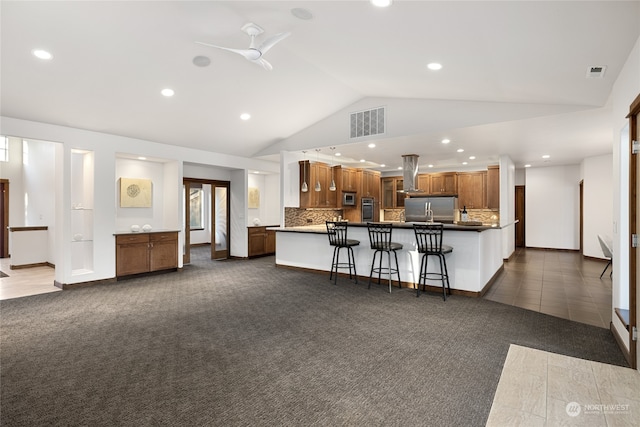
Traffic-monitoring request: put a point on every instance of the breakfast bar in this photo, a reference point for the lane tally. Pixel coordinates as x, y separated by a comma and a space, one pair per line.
475, 262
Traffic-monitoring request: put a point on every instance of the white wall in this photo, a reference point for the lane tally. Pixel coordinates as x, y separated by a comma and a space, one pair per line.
12, 170
269, 188
597, 203
552, 207
507, 205
154, 215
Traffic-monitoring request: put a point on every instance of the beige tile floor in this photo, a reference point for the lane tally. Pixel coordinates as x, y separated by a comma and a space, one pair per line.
25, 281
538, 388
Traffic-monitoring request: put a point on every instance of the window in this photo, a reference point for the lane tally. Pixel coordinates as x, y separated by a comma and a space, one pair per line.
196, 207
4, 149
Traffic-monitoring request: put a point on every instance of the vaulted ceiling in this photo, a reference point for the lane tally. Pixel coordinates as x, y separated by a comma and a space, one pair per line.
513, 78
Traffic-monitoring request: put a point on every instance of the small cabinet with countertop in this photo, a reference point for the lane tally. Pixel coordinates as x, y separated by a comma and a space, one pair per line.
261, 241
146, 252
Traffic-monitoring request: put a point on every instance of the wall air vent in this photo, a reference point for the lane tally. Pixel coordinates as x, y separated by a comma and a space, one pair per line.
368, 122
596, 72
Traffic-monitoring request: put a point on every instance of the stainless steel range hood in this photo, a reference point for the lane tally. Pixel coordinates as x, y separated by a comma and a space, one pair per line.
410, 174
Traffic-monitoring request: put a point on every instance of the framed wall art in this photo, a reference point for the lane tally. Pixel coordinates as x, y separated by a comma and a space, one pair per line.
135, 193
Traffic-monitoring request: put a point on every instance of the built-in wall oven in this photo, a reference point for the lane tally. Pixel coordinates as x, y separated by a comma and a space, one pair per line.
368, 205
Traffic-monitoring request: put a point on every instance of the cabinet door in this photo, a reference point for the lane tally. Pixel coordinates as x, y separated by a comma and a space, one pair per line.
349, 179
270, 246
443, 183
388, 193
163, 251
424, 182
399, 185
471, 190
132, 258
305, 177
493, 187
257, 241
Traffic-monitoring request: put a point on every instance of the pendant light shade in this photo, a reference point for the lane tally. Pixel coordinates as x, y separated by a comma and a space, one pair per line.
304, 188
332, 187
318, 187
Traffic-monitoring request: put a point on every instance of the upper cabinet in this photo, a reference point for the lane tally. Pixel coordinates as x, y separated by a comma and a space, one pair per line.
493, 187
370, 184
318, 179
391, 198
349, 180
472, 189
424, 182
445, 183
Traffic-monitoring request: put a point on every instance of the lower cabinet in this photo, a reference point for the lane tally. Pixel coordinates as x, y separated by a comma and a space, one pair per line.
261, 241
146, 252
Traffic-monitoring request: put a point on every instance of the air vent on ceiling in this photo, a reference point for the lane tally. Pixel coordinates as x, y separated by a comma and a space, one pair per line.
596, 72
368, 122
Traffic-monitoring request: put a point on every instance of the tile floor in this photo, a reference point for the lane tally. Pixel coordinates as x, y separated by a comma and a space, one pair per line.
538, 388
562, 284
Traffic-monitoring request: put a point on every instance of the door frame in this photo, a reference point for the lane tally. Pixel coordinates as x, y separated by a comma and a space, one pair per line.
634, 172
520, 226
186, 258
4, 219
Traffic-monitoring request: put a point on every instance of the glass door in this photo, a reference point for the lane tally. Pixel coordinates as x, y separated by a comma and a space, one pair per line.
220, 221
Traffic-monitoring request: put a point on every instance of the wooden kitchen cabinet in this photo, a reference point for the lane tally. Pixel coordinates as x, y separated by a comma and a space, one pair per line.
391, 199
493, 187
472, 190
370, 184
261, 241
146, 252
349, 179
424, 182
445, 183
314, 173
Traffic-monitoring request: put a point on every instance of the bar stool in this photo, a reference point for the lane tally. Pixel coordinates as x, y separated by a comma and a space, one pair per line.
429, 242
337, 232
380, 241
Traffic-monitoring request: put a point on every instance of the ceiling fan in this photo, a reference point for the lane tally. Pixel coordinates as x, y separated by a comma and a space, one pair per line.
253, 53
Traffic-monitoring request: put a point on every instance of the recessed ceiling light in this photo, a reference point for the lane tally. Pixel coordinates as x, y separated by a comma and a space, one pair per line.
434, 66
460, 150
527, 166
362, 160
338, 154
383, 165
245, 116
464, 163
472, 157
429, 166
381, 3
371, 145
167, 92
256, 171
201, 61
301, 13
142, 158
42, 54
399, 168
546, 156
446, 141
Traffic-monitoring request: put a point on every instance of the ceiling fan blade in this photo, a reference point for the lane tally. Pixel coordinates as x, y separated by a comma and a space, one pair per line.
271, 41
250, 54
265, 64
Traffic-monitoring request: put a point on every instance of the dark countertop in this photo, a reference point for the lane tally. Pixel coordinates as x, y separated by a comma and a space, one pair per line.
321, 228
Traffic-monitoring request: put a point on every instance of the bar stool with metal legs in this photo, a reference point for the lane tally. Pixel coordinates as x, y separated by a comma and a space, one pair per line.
337, 232
380, 241
429, 242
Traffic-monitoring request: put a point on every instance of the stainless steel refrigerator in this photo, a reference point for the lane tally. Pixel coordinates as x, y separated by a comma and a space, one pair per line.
444, 208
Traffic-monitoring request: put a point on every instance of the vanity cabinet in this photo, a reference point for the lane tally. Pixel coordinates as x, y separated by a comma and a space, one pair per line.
472, 190
146, 252
261, 241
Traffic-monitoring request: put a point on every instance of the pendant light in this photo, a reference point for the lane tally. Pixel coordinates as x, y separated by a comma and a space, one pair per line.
332, 187
304, 187
318, 187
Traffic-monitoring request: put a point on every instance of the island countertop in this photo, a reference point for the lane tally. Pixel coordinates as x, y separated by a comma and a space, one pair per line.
322, 229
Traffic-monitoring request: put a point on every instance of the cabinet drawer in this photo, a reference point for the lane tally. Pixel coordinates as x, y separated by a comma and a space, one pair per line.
163, 237
132, 238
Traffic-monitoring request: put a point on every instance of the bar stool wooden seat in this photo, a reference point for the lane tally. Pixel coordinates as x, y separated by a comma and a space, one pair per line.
337, 232
429, 243
380, 241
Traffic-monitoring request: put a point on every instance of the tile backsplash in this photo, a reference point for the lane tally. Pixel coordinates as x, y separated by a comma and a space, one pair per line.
295, 217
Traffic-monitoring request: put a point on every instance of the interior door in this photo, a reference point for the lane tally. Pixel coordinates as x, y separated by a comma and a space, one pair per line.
634, 286
519, 214
4, 218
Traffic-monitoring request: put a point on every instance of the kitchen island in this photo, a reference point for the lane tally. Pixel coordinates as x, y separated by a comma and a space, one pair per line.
475, 262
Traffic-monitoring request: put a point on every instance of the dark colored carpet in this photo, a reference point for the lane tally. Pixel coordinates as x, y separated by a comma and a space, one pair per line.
3, 274
245, 343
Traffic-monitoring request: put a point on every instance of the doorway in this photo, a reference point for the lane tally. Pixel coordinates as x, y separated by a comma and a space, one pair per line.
207, 213
519, 214
634, 209
4, 218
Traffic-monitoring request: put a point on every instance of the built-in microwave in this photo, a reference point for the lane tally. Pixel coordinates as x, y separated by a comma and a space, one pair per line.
348, 199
